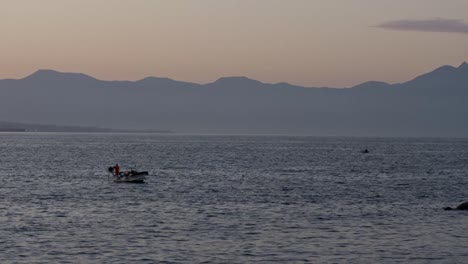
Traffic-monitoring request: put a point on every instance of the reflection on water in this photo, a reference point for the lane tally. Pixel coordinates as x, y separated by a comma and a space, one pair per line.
232, 199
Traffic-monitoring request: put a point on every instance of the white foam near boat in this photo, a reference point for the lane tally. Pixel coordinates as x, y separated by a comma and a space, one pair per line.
131, 176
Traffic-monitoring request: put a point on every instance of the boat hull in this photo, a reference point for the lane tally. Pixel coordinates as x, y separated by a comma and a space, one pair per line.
136, 177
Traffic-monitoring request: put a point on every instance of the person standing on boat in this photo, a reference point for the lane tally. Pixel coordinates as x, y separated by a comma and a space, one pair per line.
117, 169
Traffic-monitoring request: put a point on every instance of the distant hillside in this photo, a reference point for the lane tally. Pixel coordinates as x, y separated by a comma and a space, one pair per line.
433, 104
21, 127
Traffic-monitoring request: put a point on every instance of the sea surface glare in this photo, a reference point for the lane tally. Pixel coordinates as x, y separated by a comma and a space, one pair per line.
232, 199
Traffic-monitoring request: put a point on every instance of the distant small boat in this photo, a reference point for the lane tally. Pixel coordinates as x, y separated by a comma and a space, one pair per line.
131, 176
365, 151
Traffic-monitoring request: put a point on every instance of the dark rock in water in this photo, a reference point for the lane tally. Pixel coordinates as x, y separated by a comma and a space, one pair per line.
365, 151
463, 206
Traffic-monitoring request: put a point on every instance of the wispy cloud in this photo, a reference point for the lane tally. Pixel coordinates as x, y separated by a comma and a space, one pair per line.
428, 25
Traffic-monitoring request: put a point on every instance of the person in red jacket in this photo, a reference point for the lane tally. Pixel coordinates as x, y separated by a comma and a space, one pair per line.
117, 170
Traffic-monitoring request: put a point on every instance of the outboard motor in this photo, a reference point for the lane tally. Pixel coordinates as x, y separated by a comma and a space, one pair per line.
110, 170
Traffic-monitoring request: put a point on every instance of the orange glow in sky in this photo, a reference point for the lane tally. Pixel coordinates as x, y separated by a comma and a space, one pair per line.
305, 42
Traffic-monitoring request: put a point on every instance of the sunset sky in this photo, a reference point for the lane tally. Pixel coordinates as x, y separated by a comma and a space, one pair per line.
337, 43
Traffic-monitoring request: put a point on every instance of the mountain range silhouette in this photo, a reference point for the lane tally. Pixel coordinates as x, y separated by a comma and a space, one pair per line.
432, 104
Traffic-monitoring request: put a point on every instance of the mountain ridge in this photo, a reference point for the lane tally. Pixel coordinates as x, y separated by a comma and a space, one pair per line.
50, 74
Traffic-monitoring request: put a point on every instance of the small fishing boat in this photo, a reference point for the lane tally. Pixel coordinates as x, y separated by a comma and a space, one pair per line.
130, 176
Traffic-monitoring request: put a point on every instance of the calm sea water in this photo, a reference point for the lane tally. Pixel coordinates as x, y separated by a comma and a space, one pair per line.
232, 199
